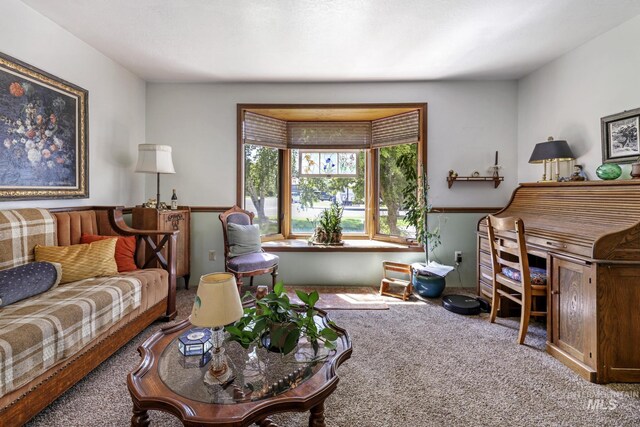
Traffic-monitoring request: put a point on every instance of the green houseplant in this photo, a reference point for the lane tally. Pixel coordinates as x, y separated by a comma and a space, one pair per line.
416, 203
329, 231
284, 323
415, 198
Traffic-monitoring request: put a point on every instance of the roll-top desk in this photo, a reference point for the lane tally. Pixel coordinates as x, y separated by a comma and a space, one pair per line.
588, 235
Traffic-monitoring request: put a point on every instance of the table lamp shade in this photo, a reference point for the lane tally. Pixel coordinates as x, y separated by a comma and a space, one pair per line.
551, 150
217, 302
155, 159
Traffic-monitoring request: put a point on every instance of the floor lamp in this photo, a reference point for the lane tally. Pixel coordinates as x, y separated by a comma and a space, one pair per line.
156, 159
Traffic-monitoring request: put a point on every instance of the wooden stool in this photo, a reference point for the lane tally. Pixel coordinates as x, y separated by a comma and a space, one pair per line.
387, 281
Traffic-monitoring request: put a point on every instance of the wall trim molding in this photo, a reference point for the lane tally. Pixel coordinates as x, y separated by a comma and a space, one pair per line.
212, 209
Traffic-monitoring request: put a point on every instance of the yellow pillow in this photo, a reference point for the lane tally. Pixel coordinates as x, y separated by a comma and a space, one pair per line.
82, 261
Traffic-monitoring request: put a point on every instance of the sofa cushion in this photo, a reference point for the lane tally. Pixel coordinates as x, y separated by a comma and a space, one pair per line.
82, 261
27, 280
252, 262
20, 231
125, 250
38, 332
243, 239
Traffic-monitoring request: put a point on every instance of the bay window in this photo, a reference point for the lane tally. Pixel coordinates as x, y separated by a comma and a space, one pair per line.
360, 157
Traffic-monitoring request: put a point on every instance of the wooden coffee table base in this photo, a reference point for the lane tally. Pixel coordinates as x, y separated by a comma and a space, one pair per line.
140, 418
149, 392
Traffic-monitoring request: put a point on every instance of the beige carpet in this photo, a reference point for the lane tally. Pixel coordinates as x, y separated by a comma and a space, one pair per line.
361, 298
413, 365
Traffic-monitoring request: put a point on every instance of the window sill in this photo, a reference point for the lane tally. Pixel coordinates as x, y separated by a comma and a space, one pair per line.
301, 245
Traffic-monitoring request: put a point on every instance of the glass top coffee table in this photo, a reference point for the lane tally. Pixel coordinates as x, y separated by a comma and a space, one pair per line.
259, 382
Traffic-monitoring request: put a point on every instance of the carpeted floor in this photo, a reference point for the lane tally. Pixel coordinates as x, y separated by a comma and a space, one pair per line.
412, 365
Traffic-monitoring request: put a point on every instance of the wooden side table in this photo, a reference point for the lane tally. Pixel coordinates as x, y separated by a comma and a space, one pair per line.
167, 220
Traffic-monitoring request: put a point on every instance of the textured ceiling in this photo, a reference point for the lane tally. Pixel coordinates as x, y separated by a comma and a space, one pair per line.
334, 40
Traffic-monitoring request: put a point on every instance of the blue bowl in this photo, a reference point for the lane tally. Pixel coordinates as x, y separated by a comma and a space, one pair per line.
428, 286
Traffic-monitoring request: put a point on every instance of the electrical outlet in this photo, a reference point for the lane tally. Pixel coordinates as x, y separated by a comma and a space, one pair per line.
212, 255
458, 257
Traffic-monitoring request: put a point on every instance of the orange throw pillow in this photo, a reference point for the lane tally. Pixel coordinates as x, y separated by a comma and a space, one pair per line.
125, 250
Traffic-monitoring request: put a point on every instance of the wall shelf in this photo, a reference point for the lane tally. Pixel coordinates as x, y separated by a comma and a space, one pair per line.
496, 180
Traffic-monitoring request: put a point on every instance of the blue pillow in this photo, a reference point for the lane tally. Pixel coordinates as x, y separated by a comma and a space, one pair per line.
27, 280
243, 239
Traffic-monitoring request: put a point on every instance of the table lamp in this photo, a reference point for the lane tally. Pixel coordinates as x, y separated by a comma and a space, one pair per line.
549, 151
156, 159
217, 304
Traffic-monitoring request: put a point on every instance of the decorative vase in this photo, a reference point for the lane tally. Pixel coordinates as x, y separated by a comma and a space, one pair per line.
428, 286
609, 171
635, 171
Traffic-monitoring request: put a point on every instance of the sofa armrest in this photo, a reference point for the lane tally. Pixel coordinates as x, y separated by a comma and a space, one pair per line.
156, 242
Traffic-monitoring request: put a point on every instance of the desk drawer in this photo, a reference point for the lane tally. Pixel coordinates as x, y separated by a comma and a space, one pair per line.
484, 259
483, 244
557, 245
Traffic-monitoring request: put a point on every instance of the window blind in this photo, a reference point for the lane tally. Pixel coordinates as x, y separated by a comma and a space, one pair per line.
400, 129
329, 134
263, 130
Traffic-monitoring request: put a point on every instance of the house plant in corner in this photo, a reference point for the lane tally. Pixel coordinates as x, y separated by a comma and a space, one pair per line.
277, 324
415, 195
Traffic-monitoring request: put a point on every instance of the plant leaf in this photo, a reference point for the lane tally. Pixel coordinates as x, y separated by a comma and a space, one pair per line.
291, 341
329, 334
233, 330
278, 289
303, 296
313, 298
329, 345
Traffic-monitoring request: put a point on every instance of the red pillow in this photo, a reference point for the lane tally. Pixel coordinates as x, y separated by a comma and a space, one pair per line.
125, 250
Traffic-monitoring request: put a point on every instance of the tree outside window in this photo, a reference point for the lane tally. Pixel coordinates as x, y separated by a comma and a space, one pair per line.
261, 186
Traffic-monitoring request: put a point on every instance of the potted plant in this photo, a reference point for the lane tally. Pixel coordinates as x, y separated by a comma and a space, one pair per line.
416, 203
329, 231
274, 320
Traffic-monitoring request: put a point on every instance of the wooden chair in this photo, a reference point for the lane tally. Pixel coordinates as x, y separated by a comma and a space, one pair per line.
511, 270
248, 265
388, 281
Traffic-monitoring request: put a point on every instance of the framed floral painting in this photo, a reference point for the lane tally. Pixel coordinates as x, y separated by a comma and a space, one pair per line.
620, 137
43, 134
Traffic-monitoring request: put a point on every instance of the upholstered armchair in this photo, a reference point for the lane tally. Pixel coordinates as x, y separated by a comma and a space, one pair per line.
243, 255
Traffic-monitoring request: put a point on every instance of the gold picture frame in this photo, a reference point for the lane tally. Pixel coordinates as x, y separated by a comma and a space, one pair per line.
43, 134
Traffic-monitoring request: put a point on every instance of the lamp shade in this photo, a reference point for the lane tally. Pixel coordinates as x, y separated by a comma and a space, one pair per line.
217, 302
154, 158
551, 150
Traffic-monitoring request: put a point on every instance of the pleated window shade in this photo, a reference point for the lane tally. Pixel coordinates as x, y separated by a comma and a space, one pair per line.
329, 134
400, 129
263, 130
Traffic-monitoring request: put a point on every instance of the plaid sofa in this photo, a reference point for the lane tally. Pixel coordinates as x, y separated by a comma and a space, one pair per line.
44, 336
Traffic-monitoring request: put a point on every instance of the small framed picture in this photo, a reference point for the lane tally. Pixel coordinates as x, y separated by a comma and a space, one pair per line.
620, 137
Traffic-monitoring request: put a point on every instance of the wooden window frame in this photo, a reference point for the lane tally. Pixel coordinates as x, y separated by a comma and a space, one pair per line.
371, 170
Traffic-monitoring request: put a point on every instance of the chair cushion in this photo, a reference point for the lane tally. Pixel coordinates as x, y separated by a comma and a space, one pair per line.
538, 275
82, 261
243, 239
253, 262
27, 280
125, 250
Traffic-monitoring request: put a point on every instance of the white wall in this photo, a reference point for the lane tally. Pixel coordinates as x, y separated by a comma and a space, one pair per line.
116, 102
467, 123
567, 97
